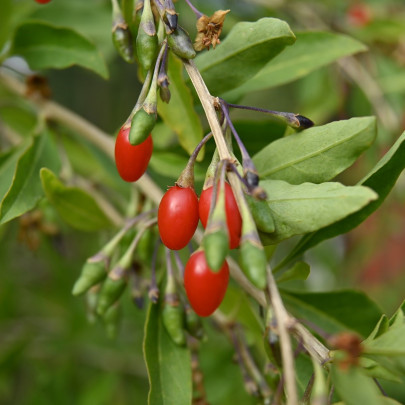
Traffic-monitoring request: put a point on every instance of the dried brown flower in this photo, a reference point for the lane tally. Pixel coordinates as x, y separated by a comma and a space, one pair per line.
351, 345
209, 29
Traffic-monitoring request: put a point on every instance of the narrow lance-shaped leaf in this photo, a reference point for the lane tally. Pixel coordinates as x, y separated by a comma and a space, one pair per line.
73, 204
299, 209
311, 51
381, 179
317, 154
45, 46
179, 114
25, 189
8, 163
246, 49
169, 365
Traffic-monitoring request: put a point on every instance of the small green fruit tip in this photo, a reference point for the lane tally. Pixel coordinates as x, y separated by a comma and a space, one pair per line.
216, 246
80, 287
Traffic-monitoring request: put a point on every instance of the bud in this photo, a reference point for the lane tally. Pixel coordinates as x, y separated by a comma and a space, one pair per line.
172, 313
145, 245
92, 273
112, 319
304, 122
180, 43
146, 40
194, 325
253, 257
254, 262
91, 303
112, 288
141, 126
261, 214
216, 247
171, 16
173, 321
122, 39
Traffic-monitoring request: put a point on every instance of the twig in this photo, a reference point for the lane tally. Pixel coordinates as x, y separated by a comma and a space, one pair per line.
311, 344
287, 354
56, 112
148, 187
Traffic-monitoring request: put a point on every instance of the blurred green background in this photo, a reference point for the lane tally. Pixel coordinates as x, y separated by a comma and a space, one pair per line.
49, 352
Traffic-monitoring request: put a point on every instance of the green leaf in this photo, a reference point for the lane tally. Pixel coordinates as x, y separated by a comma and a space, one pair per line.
334, 311
354, 387
317, 154
169, 365
300, 271
245, 50
299, 209
171, 164
8, 163
311, 51
375, 370
386, 344
45, 46
25, 190
6, 9
389, 344
74, 205
18, 116
179, 114
237, 306
381, 179
384, 401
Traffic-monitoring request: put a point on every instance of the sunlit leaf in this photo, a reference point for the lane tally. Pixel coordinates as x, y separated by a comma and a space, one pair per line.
245, 50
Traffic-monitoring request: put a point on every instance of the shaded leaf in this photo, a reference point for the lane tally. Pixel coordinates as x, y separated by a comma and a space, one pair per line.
388, 346
6, 10
381, 179
333, 311
299, 209
25, 190
169, 365
74, 205
237, 306
311, 51
172, 164
45, 46
8, 163
317, 154
245, 50
354, 387
179, 114
300, 271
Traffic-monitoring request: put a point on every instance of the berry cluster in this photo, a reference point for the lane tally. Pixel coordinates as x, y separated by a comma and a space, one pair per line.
231, 206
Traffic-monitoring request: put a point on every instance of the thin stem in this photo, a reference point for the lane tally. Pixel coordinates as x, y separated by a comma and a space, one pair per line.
197, 13
250, 384
310, 342
249, 168
142, 95
283, 319
153, 288
179, 264
291, 119
380, 387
